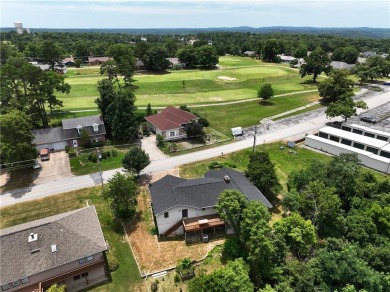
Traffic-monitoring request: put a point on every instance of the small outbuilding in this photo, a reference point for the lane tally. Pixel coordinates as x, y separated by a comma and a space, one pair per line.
237, 131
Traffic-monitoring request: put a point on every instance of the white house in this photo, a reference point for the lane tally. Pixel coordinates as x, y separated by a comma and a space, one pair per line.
182, 206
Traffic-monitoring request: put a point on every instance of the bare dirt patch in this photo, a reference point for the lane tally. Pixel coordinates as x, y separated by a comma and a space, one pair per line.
155, 255
226, 78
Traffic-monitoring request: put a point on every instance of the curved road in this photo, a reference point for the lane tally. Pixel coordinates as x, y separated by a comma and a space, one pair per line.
295, 131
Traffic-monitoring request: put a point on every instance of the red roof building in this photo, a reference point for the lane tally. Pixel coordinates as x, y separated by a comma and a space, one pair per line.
170, 122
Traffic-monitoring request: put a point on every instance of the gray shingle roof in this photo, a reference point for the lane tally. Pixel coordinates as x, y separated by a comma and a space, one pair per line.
172, 191
83, 121
77, 234
49, 135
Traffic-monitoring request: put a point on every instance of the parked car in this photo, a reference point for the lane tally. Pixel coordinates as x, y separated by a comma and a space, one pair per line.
371, 120
44, 154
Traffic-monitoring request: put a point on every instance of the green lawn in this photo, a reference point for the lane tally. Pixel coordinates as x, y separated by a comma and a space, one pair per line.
127, 275
223, 118
201, 86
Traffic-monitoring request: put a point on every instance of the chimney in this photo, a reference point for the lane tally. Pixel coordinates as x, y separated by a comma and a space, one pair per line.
227, 179
33, 242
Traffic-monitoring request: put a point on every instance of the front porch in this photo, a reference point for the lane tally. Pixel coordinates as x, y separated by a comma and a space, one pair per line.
210, 223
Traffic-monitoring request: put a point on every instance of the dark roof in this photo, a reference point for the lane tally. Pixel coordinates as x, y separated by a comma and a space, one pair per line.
171, 191
171, 118
341, 65
99, 59
49, 135
73, 133
83, 121
77, 234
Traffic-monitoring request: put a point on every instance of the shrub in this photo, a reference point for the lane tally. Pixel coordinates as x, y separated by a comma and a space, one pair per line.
112, 262
104, 155
90, 156
108, 154
214, 164
67, 148
204, 122
72, 153
231, 248
154, 286
230, 164
94, 157
185, 266
160, 141
176, 278
114, 152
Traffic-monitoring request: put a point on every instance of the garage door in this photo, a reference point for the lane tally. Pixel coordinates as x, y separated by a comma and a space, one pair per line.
57, 146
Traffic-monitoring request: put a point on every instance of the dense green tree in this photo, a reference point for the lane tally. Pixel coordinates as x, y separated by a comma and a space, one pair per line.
261, 172
121, 116
171, 45
123, 55
359, 227
149, 110
50, 52
314, 171
230, 205
347, 54
16, 137
336, 86
122, 192
254, 214
270, 50
155, 58
206, 56
375, 67
265, 92
232, 278
194, 130
135, 160
345, 107
57, 288
315, 64
300, 51
187, 55
298, 233
141, 48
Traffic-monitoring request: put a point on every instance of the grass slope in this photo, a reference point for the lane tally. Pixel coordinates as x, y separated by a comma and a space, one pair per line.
127, 275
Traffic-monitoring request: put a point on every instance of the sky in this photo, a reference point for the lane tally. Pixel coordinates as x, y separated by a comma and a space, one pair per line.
194, 14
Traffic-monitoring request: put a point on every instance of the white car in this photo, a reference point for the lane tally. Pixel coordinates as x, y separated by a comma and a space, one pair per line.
36, 165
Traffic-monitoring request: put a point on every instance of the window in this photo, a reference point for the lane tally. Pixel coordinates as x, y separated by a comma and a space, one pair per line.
89, 258
95, 127
75, 278
96, 140
6, 287
358, 145
16, 283
357, 131
25, 280
346, 128
379, 137
369, 135
83, 275
385, 154
172, 134
346, 142
166, 214
334, 138
372, 150
323, 135
82, 261
203, 209
79, 129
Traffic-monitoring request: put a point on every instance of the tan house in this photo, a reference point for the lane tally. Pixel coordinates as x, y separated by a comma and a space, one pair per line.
67, 248
94, 61
170, 123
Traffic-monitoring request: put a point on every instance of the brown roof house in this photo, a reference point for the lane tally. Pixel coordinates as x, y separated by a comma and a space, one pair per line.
93, 125
93, 61
67, 248
170, 122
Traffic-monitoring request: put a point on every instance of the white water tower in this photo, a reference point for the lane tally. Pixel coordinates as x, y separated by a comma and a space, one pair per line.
19, 27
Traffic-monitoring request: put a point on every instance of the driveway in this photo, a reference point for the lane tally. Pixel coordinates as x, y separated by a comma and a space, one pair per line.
58, 167
148, 144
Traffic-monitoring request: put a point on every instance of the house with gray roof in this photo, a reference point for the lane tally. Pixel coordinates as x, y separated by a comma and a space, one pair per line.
58, 138
180, 205
341, 65
67, 248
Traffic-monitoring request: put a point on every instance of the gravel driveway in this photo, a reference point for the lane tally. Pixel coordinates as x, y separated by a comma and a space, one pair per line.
58, 167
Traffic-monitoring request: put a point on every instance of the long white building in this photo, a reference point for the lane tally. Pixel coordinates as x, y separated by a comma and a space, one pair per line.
372, 151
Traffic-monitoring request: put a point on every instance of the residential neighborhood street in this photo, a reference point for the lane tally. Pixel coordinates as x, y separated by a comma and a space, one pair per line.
292, 131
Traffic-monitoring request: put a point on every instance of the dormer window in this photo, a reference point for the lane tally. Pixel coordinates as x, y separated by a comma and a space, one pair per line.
95, 127
79, 129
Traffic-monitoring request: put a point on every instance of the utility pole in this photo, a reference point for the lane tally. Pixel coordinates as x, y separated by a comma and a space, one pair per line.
254, 140
99, 157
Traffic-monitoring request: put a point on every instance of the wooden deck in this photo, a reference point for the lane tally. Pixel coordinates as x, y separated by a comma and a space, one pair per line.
202, 222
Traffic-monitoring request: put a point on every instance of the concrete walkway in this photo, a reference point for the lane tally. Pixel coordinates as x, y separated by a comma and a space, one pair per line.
148, 144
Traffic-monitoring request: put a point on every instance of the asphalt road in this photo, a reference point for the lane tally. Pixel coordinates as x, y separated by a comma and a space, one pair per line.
293, 132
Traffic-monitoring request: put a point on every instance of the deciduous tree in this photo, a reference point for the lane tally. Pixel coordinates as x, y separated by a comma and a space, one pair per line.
336, 86
135, 160
265, 92
315, 64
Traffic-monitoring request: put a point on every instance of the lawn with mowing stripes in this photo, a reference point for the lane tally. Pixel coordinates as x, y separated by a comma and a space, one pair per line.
223, 118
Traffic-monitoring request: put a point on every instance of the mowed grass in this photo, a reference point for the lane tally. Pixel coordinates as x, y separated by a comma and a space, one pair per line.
127, 275
201, 86
223, 118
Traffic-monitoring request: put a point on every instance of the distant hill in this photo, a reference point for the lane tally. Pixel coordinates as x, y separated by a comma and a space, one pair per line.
358, 32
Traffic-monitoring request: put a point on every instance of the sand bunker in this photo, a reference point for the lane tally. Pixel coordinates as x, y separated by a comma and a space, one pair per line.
226, 78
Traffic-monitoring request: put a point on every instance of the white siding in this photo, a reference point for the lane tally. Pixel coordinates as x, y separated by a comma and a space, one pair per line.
366, 158
164, 224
